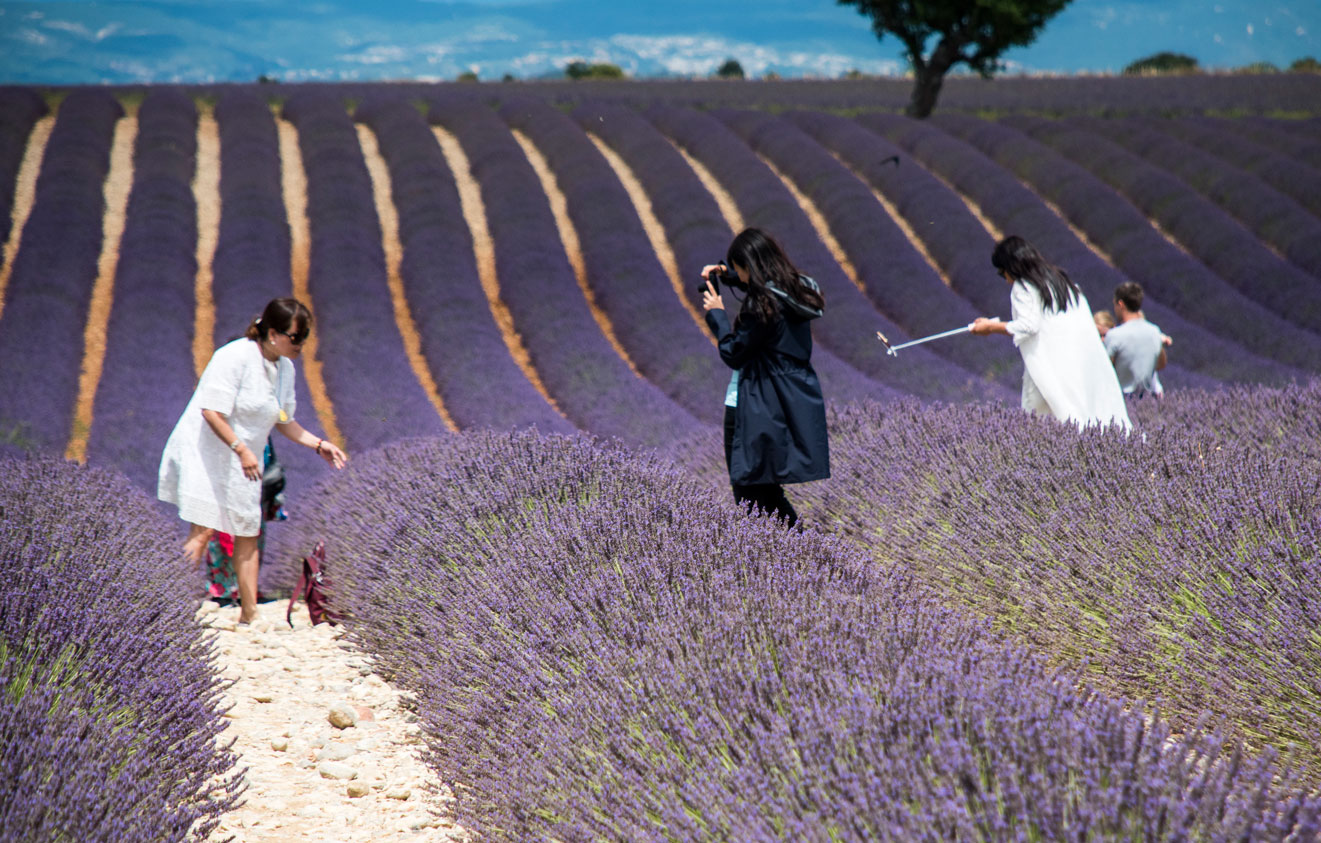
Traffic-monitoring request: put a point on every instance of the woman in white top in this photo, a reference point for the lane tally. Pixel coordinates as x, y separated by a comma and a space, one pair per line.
1066, 371
211, 468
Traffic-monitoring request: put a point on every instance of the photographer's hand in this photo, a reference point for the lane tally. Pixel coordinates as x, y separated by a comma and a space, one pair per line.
711, 300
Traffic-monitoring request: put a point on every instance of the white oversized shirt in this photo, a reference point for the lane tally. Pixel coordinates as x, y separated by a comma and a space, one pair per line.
199, 473
1066, 372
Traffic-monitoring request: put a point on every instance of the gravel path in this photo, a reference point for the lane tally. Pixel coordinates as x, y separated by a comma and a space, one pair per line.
310, 779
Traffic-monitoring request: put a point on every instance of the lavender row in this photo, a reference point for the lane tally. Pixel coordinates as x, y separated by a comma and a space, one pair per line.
47, 300
377, 398
635, 661
1272, 216
1170, 567
251, 265
850, 324
476, 376
1255, 94
898, 280
147, 374
1205, 230
694, 227
627, 281
1167, 273
110, 720
591, 384
1201, 356
1300, 183
1281, 135
20, 109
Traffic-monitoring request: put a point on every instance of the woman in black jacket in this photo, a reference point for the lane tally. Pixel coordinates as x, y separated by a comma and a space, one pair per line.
775, 417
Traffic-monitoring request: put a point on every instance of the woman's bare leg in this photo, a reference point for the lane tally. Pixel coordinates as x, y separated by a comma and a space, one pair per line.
246, 566
194, 547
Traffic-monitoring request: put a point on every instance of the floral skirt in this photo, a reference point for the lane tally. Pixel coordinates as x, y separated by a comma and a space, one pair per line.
222, 582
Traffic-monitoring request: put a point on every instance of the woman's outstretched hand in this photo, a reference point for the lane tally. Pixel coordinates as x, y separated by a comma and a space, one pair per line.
983, 326
331, 453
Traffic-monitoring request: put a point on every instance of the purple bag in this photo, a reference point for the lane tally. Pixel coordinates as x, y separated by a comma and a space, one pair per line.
313, 587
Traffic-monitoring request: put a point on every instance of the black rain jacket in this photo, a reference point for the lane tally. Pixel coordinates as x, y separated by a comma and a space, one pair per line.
780, 420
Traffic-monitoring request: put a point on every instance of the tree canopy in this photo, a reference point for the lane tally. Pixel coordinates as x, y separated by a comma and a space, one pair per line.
599, 70
731, 69
938, 34
1164, 62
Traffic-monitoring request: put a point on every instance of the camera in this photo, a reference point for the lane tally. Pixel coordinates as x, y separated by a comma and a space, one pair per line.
715, 276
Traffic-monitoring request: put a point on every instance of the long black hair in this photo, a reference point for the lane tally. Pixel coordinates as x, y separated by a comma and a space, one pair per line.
766, 263
1024, 263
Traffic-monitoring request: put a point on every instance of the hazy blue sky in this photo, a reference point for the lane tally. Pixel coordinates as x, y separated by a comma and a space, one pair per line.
64, 42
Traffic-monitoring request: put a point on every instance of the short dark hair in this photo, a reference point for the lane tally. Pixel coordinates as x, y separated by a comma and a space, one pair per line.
1130, 295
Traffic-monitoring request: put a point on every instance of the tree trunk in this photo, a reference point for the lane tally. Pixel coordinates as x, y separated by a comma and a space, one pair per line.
930, 75
925, 91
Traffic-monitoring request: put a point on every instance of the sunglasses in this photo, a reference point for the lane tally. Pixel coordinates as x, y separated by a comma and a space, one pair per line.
296, 339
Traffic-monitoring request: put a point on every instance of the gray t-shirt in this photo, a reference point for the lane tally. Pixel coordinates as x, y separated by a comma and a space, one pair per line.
1135, 346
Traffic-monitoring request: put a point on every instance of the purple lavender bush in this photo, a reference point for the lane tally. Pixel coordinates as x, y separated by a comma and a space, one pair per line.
1278, 135
377, 397
601, 649
53, 275
1201, 356
1271, 214
1300, 183
20, 109
475, 374
626, 280
591, 384
147, 375
694, 226
110, 720
1205, 230
1172, 564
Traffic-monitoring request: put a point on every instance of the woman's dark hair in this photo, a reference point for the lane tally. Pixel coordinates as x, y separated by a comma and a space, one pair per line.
1024, 263
766, 262
287, 315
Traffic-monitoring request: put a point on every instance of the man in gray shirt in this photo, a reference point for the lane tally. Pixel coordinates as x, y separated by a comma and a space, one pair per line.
1136, 346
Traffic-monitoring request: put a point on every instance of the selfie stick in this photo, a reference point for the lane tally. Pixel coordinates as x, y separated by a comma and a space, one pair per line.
893, 350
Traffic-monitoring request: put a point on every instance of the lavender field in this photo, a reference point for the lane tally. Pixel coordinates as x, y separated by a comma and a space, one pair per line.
994, 627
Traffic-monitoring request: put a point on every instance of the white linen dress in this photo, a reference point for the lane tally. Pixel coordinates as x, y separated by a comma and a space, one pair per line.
199, 473
1066, 372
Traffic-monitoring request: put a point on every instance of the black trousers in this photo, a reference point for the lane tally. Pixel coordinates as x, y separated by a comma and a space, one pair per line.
767, 497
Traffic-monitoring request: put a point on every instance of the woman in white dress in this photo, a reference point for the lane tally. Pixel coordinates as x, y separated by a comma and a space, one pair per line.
1067, 373
211, 468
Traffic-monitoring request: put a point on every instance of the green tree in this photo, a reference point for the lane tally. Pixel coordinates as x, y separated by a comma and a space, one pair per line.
1165, 62
974, 32
1306, 64
583, 70
731, 69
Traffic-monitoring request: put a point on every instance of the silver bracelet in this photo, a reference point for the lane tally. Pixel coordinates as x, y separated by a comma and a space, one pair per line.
236, 444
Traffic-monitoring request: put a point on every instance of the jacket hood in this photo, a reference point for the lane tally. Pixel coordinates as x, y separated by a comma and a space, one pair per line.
793, 305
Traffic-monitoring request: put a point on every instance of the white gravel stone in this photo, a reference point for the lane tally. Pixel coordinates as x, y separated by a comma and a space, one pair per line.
336, 752
336, 770
342, 715
357, 790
